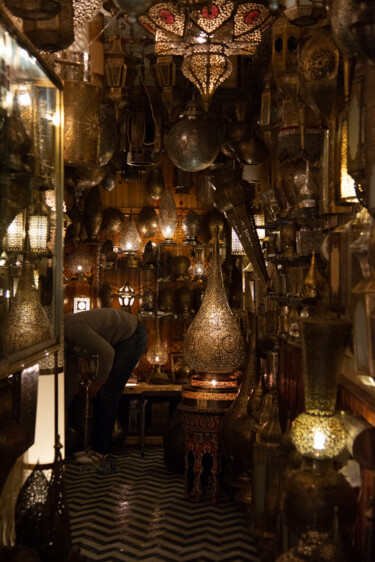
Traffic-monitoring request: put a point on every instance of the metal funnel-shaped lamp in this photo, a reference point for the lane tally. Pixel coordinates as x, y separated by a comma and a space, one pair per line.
213, 343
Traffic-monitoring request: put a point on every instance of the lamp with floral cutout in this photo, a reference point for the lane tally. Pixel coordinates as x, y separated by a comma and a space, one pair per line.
206, 36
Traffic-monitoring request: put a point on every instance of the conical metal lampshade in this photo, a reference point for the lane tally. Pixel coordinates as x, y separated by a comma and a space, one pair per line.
168, 215
130, 241
27, 322
213, 342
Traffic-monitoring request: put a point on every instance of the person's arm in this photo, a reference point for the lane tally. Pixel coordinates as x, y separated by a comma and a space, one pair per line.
79, 334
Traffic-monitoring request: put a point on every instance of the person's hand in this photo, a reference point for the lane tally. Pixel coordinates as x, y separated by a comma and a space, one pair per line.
94, 388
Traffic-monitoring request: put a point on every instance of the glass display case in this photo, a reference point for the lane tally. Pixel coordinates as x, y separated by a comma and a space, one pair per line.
31, 203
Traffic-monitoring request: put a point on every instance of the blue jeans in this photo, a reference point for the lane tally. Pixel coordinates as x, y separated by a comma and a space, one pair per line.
106, 403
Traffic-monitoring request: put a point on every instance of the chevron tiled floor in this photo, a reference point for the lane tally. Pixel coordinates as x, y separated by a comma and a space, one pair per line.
133, 508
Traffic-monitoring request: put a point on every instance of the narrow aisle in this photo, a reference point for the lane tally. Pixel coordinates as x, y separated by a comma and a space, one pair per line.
133, 508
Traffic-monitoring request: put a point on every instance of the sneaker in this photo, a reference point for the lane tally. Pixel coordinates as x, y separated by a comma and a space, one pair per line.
91, 457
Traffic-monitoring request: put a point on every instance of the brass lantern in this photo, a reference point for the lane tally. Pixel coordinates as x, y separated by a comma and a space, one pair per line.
120, 71
207, 69
305, 12
53, 34
126, 296
34, 9
317, 433
168, 215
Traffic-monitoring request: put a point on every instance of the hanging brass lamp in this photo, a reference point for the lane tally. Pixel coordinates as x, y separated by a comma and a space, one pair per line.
53, 34
34, 9
192, 143
207, 69
213, 343
167, 215
27, 321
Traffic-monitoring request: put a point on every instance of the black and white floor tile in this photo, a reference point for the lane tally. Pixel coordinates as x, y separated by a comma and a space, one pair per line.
132, 508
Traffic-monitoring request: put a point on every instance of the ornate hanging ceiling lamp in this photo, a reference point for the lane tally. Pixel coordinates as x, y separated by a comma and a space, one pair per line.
206, 35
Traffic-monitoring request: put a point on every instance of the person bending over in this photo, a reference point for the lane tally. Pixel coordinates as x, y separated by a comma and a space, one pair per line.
119, 340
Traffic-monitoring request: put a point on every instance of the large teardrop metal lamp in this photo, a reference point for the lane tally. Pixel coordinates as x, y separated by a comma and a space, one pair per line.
213, 345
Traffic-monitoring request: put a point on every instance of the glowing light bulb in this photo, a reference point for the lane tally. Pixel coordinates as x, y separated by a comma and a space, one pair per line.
319, 440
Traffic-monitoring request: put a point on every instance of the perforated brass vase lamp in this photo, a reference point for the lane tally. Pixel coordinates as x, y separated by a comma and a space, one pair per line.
148, 222
27, 323
157, 355
213, 345
191, 226
317, 433
167, 215
131, 242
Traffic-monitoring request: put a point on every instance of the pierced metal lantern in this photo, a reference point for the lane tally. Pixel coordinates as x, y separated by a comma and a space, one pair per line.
53, 34
79, 262
207, 67
34, 9
155, 184
148, 222
82, 101
150, 254
113, 220
191, 226
317, 433
126, 296
305, 12
120, 71
199, 270
85, 11
38, 231
130, 241
213, 342
27, 323
192, 143
167, 215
